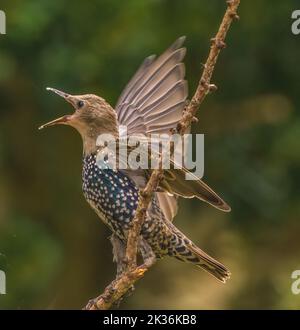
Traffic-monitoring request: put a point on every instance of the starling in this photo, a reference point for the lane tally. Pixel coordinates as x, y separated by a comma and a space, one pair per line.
152, 102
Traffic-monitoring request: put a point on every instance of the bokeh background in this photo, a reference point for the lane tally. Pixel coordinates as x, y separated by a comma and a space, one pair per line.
53, 248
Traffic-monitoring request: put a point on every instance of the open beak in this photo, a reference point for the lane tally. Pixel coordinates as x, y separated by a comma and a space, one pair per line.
63, 119
58, 92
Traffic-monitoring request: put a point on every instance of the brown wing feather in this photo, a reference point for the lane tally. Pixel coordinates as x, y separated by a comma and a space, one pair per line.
175, 182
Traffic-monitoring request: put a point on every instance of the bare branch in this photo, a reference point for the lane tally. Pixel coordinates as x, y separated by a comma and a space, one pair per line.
205, 86
137, 222
116, 290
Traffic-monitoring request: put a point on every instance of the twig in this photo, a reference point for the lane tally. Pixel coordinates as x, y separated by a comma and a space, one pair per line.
205, 86
116, 290
137, 222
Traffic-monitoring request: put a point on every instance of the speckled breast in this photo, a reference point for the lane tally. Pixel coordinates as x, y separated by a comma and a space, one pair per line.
111, 193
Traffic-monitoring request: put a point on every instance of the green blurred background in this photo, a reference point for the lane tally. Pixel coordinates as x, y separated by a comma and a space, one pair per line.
53, 248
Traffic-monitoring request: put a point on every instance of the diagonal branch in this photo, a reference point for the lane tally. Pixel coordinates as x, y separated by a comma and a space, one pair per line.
118, 288
204, 86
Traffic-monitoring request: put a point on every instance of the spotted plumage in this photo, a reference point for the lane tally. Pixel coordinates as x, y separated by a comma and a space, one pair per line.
114, 197
111, 194
152, 102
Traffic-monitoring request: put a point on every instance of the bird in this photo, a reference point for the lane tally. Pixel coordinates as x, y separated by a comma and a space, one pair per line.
152, 102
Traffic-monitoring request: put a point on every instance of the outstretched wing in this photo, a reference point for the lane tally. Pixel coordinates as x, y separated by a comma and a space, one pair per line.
154, 98
153, 101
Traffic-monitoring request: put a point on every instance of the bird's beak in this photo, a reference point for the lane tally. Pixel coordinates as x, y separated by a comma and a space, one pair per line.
58, 92
63, 119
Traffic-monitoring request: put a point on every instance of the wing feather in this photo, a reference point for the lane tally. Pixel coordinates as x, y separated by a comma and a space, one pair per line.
153, 102
158, 89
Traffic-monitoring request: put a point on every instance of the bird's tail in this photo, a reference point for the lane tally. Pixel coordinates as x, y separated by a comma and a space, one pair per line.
185, 250
209, 264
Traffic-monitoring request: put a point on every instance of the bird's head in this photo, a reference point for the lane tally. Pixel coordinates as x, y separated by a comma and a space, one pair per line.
92, 116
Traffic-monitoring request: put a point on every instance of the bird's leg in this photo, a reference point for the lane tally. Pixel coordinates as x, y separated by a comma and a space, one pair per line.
119, 254
119, 257
148, 255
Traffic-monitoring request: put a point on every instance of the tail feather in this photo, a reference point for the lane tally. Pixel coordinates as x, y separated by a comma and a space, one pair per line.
189, 252
174, 243
209, 264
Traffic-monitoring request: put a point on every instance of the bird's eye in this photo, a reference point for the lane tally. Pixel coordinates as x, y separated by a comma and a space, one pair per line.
80, 104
